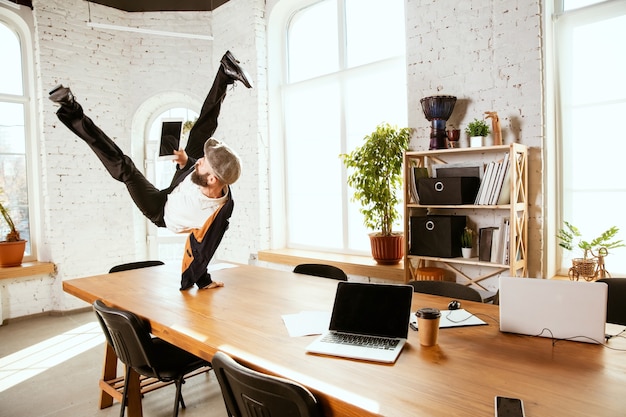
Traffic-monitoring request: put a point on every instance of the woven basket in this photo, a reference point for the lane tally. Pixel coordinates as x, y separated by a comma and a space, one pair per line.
585, 267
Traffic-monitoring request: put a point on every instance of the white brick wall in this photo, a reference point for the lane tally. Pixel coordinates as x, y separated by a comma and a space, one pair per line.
488, 54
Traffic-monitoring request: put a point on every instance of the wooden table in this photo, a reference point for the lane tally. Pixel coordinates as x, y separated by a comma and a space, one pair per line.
459, 377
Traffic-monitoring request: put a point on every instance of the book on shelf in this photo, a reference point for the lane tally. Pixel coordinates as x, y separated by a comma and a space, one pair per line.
502, 257
481, 187
413, 197
507, 241
495, 186
494, 180
484, 185
418, 172
462, 169
504, 166
485, 241
495, 246
505, 192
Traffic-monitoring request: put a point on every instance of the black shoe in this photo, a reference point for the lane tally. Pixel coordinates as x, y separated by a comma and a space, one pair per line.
234, 71
62, 95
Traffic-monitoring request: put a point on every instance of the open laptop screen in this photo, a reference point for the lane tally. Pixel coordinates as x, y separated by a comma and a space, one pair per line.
552, 308
372, 309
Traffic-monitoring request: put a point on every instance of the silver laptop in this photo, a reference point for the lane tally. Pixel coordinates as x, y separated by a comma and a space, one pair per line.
368, 322
571, 310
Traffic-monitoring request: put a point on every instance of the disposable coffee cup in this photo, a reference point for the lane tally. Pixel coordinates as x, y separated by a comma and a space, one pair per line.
428, 325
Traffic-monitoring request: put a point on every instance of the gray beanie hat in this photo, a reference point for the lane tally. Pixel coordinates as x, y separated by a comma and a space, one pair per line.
224, 161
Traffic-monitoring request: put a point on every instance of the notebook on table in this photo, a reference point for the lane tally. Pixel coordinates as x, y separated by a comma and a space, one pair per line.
559, 309
368, 322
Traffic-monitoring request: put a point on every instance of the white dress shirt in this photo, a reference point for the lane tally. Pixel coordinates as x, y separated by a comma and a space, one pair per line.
187, 208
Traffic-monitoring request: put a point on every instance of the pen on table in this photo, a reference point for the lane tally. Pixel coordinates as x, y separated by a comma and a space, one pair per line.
413, 326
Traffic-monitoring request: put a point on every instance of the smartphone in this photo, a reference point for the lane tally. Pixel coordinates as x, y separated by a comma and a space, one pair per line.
509, 407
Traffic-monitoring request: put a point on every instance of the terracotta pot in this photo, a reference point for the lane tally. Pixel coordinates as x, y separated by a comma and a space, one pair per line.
12, 253
387, 250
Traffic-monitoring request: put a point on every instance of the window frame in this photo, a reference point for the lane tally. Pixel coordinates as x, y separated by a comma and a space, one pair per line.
558, 259
20, 20
278, 80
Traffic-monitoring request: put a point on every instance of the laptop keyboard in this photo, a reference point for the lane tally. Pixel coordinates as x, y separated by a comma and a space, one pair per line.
364, 341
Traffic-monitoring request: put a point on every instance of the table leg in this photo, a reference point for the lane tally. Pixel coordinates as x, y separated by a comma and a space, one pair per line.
109, 372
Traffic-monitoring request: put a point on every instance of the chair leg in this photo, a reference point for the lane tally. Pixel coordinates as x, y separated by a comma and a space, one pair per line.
124, 392
179, 396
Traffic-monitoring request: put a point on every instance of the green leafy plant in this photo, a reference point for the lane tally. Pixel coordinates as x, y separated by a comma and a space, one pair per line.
188, 125
13, 235
477, 128
570, 237
467, 237
376, 175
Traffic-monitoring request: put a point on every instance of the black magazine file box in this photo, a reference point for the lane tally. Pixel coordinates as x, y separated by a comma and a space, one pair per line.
437, 235
447, 190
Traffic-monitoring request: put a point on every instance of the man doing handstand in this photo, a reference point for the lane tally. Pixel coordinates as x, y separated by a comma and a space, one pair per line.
198, 200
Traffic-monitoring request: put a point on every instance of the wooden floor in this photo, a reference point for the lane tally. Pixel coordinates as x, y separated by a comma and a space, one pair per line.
66, 383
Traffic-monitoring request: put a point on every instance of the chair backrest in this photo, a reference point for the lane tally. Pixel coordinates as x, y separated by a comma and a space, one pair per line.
128, 336
321, 270
134, 265
248, 393
615, 311
446, 289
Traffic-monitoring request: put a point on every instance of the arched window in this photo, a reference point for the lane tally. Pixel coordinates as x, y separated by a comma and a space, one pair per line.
16, 127
338, 71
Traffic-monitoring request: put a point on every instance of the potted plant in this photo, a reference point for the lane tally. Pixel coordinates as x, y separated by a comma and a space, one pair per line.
376, 177
594, 250
467, 239
477, 130
188, 125
12, 248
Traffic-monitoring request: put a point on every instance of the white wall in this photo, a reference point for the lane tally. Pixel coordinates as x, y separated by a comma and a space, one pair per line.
488, 54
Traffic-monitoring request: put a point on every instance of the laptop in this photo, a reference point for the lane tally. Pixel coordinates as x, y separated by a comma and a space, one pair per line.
368, 322
559, 309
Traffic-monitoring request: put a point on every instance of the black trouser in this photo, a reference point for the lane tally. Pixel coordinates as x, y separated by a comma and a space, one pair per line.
149, 199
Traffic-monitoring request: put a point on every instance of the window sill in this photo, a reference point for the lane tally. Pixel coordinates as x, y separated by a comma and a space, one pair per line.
28, 269
350, 264
560, 277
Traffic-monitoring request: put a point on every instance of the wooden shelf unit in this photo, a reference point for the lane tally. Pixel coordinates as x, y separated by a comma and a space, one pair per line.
517, 210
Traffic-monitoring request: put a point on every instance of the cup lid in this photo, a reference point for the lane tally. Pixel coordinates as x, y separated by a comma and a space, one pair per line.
428, 313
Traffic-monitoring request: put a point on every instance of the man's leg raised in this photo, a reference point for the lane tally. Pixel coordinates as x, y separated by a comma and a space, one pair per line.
228, 72
148, 198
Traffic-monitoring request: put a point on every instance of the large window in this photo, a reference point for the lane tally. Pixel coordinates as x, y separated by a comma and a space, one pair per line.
15, 131
591, 62
344, 74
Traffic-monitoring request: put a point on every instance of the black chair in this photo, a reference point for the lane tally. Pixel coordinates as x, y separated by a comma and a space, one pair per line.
134, 265
321, 270
140, 351
249, 393
447, 289
615, 307
111, 384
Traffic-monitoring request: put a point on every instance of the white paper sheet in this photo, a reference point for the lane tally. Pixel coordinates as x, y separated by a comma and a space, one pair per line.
454, 318
306, 323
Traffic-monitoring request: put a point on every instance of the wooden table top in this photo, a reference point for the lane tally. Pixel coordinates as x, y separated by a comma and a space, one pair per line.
459, 377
